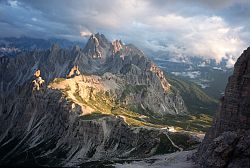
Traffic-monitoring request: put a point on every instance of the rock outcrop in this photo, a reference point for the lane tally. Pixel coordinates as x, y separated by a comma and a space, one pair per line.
116, 46
38, 82
96, 46
160, 75
227, 143
73, 72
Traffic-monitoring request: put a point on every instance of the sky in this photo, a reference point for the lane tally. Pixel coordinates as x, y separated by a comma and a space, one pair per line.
204, 28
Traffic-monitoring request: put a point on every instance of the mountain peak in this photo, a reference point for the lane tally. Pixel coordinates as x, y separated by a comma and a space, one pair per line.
97, 46
98, 39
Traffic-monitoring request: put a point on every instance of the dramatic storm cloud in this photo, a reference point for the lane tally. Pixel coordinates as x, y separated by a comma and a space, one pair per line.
211, 29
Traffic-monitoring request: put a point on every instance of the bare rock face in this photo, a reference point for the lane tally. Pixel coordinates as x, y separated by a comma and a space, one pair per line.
73, 72
159, 74
227, 143
38, 82
96, 46
116, 46
37, 73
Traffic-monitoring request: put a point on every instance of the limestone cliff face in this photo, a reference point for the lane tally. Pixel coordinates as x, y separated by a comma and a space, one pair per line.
73, 72
116, 46
97, 46
227, 143
152, 95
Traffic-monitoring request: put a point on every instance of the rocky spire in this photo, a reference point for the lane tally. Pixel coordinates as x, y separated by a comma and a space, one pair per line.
73, 72
116, 46
97, 46
38, 82
160, 75
227, 143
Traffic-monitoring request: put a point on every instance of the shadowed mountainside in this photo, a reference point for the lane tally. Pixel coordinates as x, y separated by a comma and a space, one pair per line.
227, 143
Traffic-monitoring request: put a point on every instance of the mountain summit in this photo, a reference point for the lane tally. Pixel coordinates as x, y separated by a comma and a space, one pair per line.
97, 46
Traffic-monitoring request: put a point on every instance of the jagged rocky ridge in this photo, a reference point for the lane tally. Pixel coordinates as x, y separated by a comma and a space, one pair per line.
125, 61
227, 143
41, 126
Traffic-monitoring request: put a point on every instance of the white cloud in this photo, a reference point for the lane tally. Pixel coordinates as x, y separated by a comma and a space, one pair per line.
85, 33
230, 63
13, 3
209, 37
